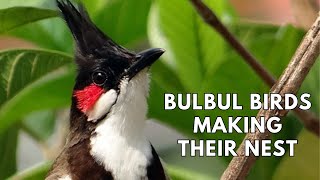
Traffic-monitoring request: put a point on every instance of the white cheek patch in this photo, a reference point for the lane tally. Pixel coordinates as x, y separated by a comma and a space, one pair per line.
102, 106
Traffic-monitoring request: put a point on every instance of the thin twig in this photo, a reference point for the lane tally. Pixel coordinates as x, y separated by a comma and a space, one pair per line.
289, 82
210, 18
310, 121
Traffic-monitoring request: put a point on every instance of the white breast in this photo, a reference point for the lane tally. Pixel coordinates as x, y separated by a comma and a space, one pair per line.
119, 143
66, 177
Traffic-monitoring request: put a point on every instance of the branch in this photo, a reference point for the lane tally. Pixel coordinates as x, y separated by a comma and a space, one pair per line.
310, 121
289, 82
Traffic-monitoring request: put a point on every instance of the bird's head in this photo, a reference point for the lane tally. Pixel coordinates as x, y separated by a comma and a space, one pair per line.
104, 68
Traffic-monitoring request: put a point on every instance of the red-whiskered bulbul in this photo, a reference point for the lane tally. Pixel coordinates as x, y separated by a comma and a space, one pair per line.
108, 111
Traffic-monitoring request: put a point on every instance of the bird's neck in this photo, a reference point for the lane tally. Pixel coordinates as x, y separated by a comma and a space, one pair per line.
127, 116
118, 142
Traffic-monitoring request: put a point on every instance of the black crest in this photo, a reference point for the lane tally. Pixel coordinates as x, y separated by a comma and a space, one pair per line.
90, 40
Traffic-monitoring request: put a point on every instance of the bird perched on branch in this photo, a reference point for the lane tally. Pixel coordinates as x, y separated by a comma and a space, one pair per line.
108, 111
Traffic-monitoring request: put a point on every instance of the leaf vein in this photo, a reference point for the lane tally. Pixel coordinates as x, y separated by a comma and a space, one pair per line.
34, 63
11, 73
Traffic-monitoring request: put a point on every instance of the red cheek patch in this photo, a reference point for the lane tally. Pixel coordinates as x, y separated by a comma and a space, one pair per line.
87, 97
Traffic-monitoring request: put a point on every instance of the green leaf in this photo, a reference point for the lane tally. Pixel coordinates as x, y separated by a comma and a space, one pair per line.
96, 7
165, 77
193, 48
312, 85
32, 80
180, 120
39, 125
34, 173
178, 173
305, 163
29, 3
199, 57
275, 46
49, 34
11, 18
8, 141
124, 20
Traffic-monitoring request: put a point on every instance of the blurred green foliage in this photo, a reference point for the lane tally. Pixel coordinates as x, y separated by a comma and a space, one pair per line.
197, 59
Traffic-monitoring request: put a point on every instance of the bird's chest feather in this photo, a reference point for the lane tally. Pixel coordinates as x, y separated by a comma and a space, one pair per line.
126, 158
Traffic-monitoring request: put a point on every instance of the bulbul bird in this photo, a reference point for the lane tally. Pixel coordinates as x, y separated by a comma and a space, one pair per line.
108, 110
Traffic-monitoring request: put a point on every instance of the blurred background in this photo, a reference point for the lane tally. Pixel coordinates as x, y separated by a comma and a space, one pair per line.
37, 75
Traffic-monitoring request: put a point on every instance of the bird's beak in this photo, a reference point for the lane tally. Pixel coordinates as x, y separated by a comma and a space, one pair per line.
143, 59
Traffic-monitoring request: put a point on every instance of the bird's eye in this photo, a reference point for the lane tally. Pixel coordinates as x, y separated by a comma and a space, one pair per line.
99, 77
